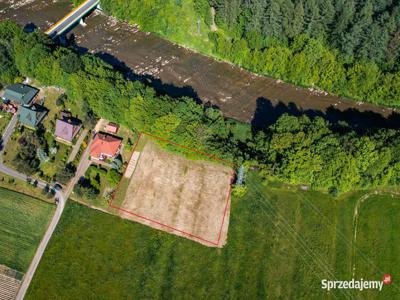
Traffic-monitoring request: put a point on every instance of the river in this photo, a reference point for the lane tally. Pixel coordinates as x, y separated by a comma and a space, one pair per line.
179, 71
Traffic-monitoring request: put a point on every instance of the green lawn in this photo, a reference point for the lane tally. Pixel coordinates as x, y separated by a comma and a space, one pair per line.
23, 221
378, 238
56, 161
282, 242
24, 187
102, 179
4, 120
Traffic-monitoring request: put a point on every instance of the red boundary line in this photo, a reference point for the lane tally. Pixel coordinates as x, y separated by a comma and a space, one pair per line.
140, 134
163, 225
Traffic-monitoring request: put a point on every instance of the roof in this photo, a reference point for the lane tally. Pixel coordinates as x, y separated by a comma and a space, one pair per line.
31, 116
21, 93
67, 129
112, 127
105, 144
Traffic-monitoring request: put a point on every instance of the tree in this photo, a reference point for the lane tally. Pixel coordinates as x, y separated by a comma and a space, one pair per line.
85, 189
65, 173
362, 79
26, 161
61, 100
277, 61
165, 125
70, 63
298, 20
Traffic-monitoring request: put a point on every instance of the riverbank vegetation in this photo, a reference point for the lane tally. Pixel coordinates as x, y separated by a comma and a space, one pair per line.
350, 48
298, 150
277, 235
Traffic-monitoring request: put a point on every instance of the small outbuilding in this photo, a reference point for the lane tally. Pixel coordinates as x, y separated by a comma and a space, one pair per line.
105, 146
67, 129
112, 128
21, 94
31, 116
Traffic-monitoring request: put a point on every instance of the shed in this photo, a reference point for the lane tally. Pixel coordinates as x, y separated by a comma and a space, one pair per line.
112, 128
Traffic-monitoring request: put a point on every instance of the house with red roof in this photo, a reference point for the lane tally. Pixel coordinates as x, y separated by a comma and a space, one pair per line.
105, 146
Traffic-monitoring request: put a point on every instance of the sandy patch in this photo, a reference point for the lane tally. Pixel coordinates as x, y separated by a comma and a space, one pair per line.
185, 197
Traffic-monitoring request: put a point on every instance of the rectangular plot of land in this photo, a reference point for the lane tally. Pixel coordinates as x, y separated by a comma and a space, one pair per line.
9, 283
185, 197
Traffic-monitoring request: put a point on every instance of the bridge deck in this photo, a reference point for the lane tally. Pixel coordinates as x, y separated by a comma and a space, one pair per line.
71, 18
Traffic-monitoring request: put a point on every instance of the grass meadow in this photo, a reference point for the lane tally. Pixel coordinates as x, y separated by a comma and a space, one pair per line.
281, 243
23, 221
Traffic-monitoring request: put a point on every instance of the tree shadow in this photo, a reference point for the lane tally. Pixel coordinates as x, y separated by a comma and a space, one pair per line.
161, 87
267, 113
30, 27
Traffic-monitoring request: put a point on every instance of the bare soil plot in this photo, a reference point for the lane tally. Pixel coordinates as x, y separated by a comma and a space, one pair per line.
189, 198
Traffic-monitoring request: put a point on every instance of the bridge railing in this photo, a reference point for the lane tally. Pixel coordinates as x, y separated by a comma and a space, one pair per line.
52, 31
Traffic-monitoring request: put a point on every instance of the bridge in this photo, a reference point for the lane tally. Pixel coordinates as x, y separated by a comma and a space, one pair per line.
72, 18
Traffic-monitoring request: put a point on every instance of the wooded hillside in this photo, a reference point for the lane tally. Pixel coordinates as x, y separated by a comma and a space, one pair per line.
297, 150
350, 48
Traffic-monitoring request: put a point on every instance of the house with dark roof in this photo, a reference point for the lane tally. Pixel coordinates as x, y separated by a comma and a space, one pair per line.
20, 93
67, 129
105, 146
31, 116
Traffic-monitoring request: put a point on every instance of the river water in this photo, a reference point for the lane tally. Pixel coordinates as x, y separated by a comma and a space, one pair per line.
178, 71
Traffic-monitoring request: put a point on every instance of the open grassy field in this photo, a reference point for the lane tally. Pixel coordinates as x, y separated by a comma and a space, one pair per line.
23, 220
377, 238
24, 187
188, 197
282, 242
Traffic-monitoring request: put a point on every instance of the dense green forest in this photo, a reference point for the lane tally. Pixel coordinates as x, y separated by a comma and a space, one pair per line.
346, 47
298, 150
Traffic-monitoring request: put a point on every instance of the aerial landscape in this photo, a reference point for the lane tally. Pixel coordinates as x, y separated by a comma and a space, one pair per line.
199, 149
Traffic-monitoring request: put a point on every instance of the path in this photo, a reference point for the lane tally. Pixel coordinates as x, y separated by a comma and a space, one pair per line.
62, 197
56, 217
77, 146
357, 209
42, 246
7, 135
83, 165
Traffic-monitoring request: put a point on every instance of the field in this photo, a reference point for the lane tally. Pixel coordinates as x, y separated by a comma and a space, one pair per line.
24, 187
170, 192
10, 281
282, 243
23, 220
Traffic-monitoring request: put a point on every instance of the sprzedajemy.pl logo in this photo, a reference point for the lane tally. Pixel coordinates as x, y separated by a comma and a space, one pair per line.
356, 284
